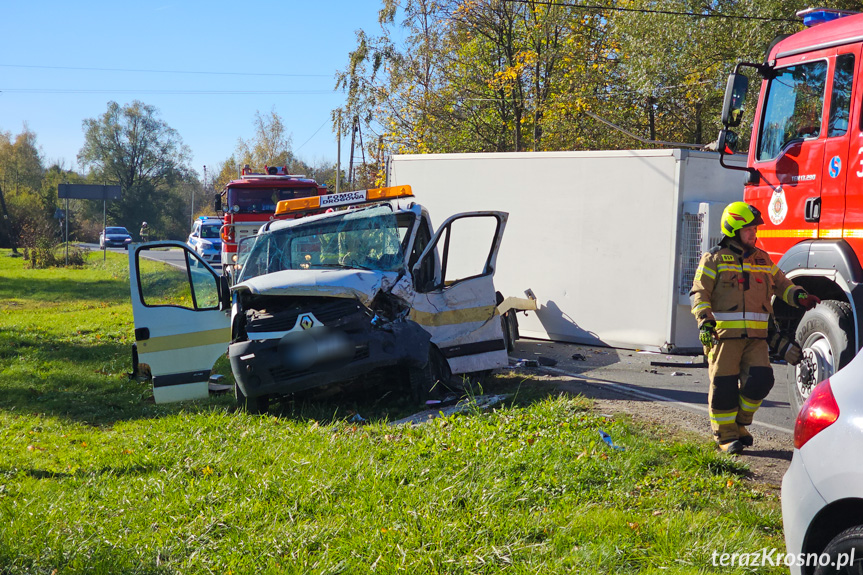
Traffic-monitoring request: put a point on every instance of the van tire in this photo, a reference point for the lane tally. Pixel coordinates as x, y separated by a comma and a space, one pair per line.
826, 335
254, 405
430, 380
509, 325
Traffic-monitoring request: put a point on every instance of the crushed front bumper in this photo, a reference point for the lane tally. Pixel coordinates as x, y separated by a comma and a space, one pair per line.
318, 357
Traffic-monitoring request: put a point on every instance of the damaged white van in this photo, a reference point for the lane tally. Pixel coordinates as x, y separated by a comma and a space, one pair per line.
363, 290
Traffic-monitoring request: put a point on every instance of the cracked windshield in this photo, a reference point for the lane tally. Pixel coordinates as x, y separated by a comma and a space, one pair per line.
362, 239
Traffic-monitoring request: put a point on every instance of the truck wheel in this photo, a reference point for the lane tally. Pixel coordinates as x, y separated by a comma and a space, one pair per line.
253, 405
841, 548
825, 333
432, 379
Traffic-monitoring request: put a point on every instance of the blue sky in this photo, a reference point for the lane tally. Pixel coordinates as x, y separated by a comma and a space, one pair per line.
48, 76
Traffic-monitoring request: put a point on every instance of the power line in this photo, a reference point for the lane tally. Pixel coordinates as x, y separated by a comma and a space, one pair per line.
161, 92
312, 136
168, 71
645, 11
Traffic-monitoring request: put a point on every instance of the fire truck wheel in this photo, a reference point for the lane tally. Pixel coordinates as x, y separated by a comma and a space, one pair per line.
431, 380
825, 333
254, 405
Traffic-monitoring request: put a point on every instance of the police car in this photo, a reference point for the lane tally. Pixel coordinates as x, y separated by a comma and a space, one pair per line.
205, 239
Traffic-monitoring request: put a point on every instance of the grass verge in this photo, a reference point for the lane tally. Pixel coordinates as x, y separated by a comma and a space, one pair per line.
96, 479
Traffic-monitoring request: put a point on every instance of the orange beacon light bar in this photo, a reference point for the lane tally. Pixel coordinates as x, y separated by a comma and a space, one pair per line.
343, 199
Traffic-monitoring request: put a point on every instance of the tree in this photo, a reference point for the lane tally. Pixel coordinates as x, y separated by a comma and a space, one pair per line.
476, 75
514, 75
131, 147
21, 172
21, 166
270, 146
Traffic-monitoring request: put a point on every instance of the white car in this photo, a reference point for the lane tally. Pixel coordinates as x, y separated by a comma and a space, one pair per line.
331, 298
206, 240
822, 491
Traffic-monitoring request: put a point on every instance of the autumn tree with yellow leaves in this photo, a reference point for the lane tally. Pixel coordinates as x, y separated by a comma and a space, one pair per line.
525, 75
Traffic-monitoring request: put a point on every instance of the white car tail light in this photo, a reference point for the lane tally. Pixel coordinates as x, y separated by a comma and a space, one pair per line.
819, 411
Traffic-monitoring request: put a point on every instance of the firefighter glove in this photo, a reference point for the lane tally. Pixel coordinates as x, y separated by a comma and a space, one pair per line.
707, 334
784, 347
794, 354
807, 301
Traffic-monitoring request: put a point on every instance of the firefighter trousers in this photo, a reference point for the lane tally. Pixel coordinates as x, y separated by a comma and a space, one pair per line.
740, 378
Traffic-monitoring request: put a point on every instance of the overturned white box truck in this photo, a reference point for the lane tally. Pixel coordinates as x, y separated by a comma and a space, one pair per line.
608, 240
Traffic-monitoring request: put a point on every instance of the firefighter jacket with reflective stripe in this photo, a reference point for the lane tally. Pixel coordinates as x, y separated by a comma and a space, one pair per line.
734, 287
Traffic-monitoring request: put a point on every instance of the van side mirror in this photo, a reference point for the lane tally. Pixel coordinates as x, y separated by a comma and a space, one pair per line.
735, 95
217, 204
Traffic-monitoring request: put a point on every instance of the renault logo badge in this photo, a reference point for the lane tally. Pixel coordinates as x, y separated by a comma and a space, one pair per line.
306, 322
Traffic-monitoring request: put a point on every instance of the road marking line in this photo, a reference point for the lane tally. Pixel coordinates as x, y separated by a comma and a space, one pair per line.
626, 389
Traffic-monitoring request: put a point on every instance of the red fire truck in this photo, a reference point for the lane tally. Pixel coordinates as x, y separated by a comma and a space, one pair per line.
250, 201
805, 174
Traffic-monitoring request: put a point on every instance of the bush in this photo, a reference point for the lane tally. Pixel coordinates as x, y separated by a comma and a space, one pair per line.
39, 240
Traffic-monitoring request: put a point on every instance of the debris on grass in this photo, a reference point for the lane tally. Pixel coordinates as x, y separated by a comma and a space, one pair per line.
478, 402
607, 439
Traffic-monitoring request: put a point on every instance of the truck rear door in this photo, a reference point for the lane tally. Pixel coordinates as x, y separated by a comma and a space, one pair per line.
181, 326
789, 151
456, 301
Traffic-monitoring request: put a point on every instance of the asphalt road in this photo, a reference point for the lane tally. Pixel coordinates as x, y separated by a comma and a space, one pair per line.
631, 372
173, 257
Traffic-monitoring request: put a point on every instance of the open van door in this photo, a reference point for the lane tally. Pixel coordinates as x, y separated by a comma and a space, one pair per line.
456, 301
181, 308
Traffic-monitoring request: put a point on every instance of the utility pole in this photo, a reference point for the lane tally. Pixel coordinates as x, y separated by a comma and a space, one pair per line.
651, 102
351, 164
338, 154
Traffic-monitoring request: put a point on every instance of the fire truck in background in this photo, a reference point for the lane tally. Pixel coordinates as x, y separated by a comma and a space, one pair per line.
249, 202
805, 174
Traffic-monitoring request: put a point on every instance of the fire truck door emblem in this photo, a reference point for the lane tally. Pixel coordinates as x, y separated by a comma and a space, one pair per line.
778, 207
835, 166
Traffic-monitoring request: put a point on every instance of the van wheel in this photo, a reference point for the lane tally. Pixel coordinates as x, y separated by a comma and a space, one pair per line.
431, 380
825, 334
840, 550
254, 405
509, 324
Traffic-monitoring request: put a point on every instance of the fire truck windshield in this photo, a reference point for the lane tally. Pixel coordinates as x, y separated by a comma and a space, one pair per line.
264, 200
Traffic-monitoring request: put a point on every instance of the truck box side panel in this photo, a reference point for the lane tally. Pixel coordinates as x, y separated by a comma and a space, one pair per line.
593, 234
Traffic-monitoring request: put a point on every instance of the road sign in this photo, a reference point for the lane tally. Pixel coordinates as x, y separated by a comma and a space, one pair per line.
88, 192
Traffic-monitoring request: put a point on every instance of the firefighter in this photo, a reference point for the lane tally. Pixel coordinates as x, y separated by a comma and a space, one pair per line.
731, 300
144, 232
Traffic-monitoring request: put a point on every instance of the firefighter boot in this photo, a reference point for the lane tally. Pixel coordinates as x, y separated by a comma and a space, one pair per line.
732, 447
743, 436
